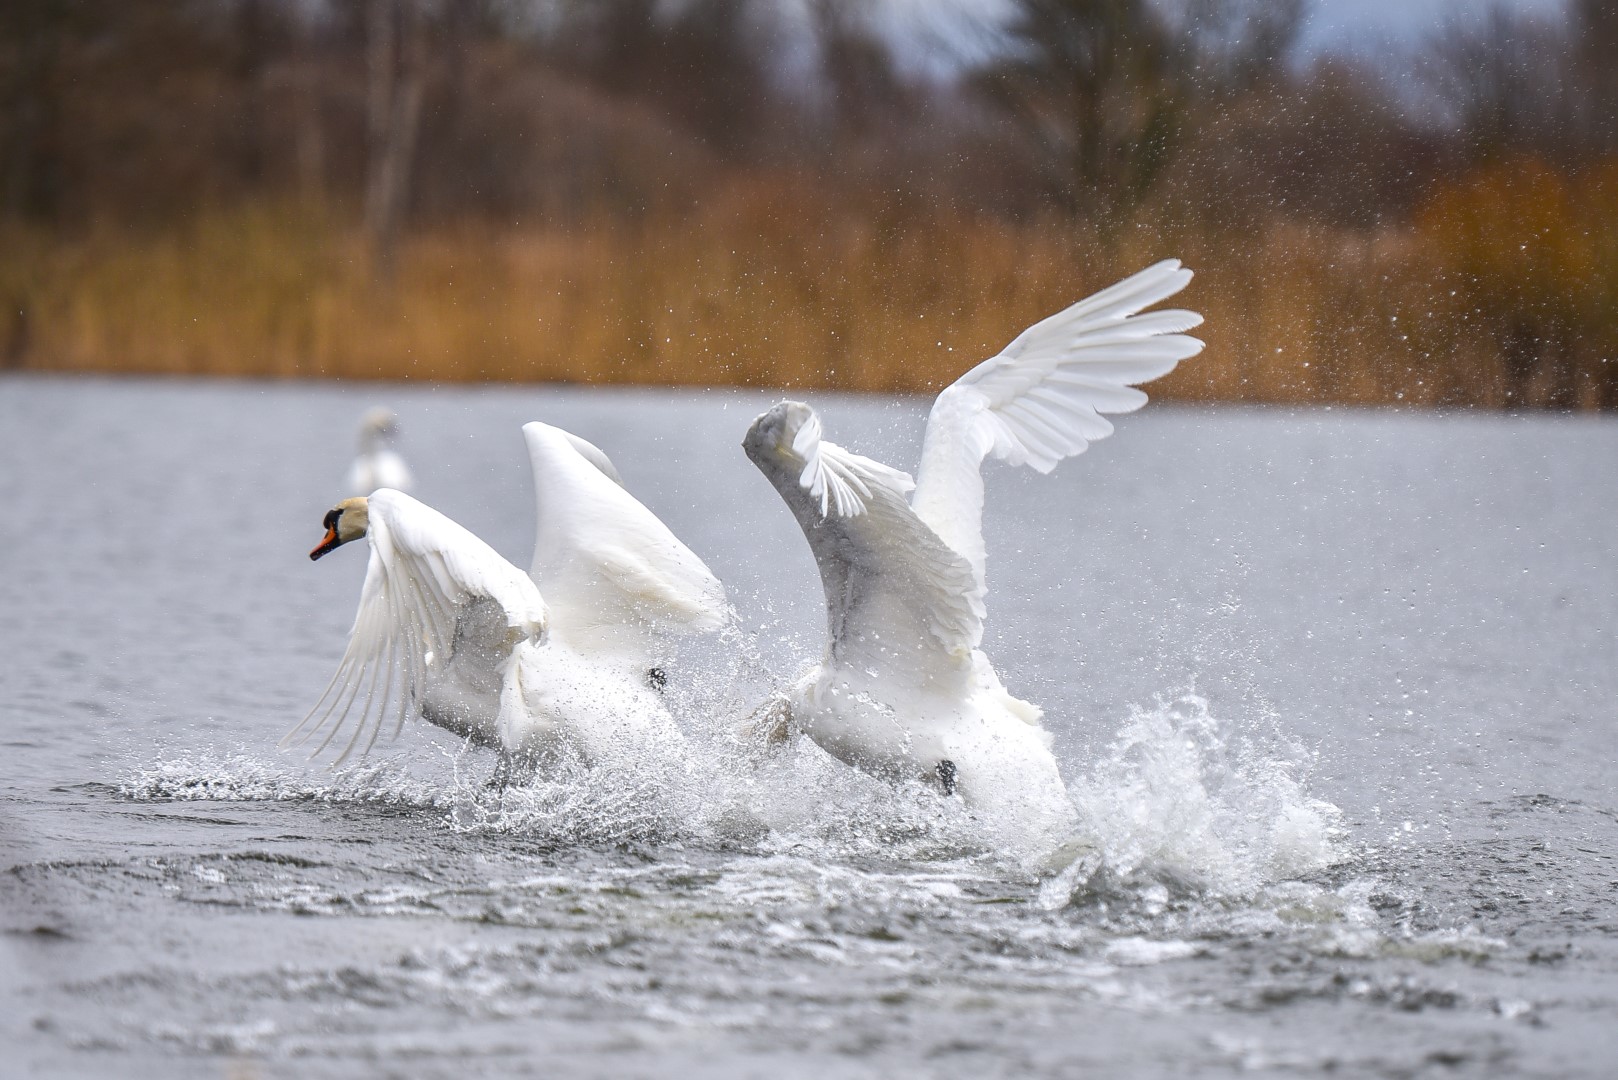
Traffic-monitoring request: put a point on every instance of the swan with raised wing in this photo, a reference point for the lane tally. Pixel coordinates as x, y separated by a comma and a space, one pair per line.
449, 629
903, 689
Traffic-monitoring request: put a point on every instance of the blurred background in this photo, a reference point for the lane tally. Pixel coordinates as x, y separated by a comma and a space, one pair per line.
1385, 202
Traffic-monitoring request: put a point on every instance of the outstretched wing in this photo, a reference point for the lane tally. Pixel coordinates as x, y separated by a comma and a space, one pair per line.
1041, 399
431, 588
615, 576
895, 594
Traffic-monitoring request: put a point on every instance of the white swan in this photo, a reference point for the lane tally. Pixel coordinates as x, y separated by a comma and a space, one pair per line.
448, 628
379, 464
903, 689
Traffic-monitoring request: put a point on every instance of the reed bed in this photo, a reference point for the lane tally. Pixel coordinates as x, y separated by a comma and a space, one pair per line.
766, 284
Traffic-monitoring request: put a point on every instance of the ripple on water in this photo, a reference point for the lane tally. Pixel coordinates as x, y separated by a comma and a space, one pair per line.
631, 895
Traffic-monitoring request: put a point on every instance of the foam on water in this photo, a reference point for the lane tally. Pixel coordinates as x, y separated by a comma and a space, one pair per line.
207, 774
1181, 801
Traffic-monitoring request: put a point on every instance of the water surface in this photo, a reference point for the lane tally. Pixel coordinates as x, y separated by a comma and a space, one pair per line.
1333, 689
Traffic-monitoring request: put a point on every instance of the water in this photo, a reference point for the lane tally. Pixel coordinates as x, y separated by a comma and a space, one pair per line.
1334, 691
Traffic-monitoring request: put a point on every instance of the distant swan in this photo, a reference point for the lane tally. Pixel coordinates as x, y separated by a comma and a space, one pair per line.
904, 690
448, 628
379, 464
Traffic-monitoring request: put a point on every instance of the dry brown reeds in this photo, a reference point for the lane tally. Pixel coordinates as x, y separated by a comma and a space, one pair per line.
768, 283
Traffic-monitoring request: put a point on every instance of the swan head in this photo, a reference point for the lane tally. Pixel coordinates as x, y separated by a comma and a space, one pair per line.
775, 433
346, 521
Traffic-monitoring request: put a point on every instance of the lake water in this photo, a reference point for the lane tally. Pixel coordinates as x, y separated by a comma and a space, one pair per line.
1335, 692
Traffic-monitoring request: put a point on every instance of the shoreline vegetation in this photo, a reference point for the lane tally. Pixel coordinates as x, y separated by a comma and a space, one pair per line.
774, 193
767, 284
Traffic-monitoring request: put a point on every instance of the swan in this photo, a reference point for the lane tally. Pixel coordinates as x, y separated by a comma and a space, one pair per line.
449, 629
379, 464
903, 690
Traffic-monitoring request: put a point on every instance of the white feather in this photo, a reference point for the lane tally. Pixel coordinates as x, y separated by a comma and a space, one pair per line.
903, 689
449, 629
425, 572
840, 480
616, 578
1041, 398
887, 577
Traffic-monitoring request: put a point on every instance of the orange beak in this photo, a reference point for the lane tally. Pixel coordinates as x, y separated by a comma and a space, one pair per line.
331, 543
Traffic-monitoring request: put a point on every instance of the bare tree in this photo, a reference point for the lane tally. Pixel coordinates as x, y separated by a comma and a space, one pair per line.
396, 57
1594, 26
1089, 85
856, 67
1232, 46
704, 64
1504, 83
31, 42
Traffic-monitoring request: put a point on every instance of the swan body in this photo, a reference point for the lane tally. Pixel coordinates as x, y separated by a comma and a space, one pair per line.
379, 464
903, 689
449, 629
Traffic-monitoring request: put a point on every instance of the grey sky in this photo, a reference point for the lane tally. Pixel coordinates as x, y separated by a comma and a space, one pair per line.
925, 25
1337, 23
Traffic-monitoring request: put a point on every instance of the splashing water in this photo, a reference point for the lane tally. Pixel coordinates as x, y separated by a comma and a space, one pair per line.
1178, 801
1172, 804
